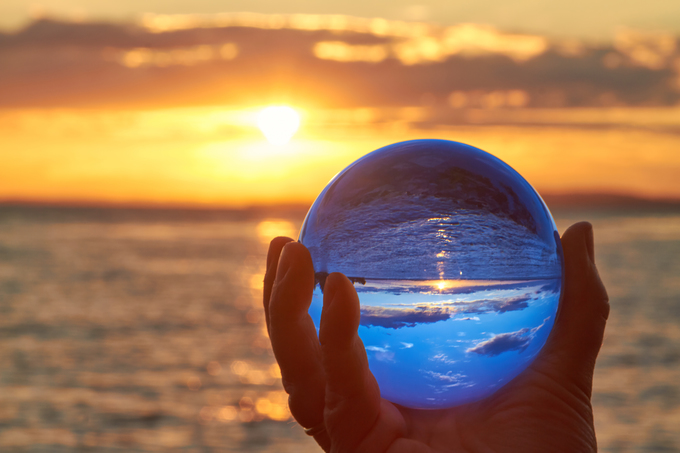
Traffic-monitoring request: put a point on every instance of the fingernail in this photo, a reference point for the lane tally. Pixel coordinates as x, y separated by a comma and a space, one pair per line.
590, 243
284, 262
274, 251
330, 289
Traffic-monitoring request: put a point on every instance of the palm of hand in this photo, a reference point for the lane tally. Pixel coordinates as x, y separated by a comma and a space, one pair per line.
528, 415
544, 409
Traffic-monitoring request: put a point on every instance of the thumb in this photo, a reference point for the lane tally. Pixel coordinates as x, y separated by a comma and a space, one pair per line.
579, 328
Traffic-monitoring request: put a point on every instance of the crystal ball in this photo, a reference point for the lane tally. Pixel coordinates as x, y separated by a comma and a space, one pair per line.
457, 263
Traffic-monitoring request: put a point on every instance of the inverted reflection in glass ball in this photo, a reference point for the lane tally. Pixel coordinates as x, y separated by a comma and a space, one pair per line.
457, 263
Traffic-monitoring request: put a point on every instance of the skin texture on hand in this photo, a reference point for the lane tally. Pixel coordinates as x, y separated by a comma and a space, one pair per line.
545, 409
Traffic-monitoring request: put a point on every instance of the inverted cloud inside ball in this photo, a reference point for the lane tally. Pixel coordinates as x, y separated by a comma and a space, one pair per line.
457, 263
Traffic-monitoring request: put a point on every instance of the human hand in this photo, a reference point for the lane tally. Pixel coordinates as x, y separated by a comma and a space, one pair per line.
331, 389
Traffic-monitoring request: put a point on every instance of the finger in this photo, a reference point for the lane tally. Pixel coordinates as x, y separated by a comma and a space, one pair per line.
352, 393
293, 335
579, 328
275, 248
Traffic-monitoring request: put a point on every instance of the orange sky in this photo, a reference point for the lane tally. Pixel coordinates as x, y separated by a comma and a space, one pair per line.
215, 156
574, 18
166, 113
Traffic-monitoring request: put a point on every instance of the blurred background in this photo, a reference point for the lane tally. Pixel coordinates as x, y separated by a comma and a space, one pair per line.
150, 150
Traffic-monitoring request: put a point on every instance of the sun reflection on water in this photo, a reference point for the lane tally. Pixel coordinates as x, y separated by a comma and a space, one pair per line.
271, 228
133, 355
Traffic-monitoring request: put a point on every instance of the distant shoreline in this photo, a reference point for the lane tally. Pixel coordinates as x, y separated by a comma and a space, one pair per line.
63, 210
610, 201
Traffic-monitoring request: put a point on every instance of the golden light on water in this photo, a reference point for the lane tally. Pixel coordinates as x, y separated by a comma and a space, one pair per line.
185, 112
278, 123
271, 228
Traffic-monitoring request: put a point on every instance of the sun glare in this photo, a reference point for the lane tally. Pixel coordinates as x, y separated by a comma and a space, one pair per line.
278, 124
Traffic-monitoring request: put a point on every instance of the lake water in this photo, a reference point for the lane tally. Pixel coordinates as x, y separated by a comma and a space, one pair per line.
143, 331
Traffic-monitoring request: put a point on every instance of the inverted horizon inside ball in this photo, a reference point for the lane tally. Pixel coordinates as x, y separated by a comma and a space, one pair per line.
457, 263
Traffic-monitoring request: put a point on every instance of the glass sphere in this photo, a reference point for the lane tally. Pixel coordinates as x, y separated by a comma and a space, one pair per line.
457, 263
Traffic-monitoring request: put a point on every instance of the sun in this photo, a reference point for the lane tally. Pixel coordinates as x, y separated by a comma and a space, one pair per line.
278, 123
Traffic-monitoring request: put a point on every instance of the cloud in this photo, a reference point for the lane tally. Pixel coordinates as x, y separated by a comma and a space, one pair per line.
512, 341
407, 345
363, 63
443, 358
519, 303
382, 354
376, 349
552, 287
394, 318
449, 379
503, 343
491, 306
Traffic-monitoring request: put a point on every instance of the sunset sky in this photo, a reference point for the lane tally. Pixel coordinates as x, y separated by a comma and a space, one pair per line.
101, 103
599, 19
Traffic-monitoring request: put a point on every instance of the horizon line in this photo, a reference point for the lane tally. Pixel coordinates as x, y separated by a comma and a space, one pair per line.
576, 199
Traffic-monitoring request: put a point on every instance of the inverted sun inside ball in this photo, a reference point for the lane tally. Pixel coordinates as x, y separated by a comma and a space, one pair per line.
457, 263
